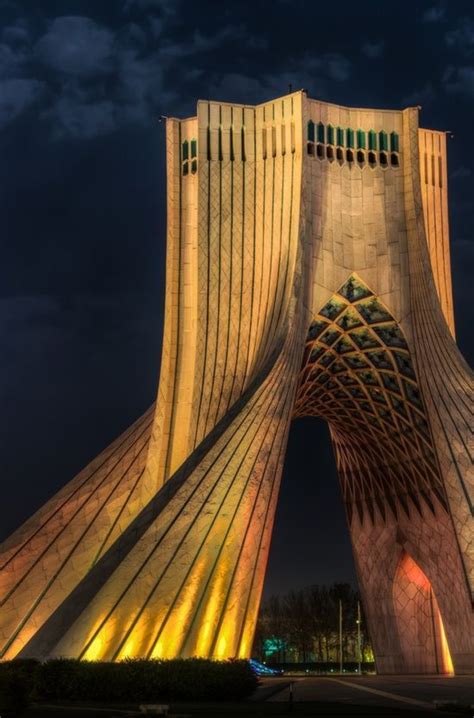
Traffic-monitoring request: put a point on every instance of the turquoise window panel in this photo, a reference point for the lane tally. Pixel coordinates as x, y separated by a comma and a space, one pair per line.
321, 133
383, 140
350, 138
311, 134
394, 142
193, 148
340, 136
372, 140
361, 139
185, 150
330, 134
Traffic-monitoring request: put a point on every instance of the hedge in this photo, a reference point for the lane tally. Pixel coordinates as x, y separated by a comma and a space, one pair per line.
132, 681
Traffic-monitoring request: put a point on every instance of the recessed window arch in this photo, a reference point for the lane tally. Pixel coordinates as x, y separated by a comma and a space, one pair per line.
383, 140
383, 159
320, 151
321, 132
394, 159
311, 135
360, 157
372, 140
350, 155
372, 159
330, 134
394, 142
361, 139
340, 155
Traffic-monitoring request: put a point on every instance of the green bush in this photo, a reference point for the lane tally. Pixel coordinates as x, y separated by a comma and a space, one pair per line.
138, 681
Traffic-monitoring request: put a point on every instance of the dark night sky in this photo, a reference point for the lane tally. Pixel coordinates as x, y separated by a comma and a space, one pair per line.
82, 209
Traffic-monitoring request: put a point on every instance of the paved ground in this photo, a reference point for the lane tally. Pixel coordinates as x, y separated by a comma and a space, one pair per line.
319, 696
390, 691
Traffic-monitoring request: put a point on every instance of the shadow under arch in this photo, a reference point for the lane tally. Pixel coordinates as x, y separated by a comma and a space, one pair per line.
419, 622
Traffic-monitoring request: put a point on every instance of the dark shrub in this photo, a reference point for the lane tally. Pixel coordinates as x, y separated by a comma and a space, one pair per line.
133, 681
23, 669
14, 694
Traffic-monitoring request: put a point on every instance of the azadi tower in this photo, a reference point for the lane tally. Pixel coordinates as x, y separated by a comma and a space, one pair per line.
308, 273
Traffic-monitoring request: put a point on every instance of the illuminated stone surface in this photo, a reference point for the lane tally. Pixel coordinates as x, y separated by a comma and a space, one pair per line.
308, 273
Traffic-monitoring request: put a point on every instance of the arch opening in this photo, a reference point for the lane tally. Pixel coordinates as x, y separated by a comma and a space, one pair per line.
419, 622
358, 375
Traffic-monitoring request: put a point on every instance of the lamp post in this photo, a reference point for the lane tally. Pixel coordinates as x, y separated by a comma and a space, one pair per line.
340, 636
359, 652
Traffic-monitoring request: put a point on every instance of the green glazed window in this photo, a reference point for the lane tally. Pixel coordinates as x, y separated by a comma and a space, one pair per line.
383, 140
185, 150
310, 131
394, 142
361, 139
372, 140
340, 136
193, 148
350, 138
330, 134
320, 132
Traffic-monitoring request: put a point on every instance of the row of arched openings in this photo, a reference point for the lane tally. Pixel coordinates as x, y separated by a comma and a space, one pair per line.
346, 144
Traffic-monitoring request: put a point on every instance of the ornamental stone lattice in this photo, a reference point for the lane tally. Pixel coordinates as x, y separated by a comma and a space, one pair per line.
308, 273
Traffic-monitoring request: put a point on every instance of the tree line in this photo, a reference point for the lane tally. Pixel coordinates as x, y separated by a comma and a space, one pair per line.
303, 626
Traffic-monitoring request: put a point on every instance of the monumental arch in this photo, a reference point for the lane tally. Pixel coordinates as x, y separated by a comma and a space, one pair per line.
308, 273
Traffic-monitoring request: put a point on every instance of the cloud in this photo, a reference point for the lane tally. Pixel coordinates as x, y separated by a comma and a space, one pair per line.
76, 46
459, 80
373, 50
460, 173
337, 67
434, 14
74, 116
93, 80
166, 7
420, 97
314, 73
16, 96
462, 37
200, 43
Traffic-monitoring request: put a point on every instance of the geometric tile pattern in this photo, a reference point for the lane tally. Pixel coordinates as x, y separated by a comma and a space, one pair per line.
418, 615
358, 375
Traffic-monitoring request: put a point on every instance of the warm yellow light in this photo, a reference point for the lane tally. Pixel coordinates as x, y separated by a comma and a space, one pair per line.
447, 662
174, 630
221, 648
